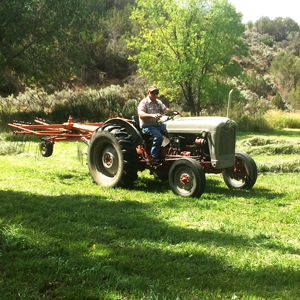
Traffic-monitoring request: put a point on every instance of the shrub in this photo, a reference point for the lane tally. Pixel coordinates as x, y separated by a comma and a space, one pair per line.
84, 105
267, 40
285, 69
130, 109
257, 84
277, 101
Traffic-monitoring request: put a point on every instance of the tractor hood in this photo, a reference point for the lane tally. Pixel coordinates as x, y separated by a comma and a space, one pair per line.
198, 124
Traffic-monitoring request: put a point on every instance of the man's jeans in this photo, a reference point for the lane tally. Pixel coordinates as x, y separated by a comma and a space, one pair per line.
156, 132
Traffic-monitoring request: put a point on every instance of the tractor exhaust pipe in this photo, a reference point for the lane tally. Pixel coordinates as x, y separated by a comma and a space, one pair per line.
229, 103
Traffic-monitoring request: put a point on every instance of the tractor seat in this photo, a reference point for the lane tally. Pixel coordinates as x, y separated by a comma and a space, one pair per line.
136, 122
147, 137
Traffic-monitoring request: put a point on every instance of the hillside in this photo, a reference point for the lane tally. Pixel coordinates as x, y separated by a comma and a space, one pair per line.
272, 68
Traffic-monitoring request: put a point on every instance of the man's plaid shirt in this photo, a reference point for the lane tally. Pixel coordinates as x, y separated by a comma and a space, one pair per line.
147, 106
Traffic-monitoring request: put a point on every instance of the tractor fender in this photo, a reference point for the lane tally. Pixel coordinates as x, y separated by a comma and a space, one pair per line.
130, 129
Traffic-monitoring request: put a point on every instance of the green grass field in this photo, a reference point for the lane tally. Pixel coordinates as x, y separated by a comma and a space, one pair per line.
63, 237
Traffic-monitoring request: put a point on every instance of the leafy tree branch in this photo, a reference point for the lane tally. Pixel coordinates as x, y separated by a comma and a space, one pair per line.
184, 46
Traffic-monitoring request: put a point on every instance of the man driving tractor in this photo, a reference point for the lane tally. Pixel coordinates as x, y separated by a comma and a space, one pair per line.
150, 109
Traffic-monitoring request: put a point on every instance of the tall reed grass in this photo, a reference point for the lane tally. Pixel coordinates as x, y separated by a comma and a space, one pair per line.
280, 119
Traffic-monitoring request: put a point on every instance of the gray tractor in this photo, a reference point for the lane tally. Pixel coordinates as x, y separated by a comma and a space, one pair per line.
193, 146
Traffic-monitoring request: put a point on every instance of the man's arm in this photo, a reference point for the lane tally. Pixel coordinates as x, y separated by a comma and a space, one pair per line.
144, 115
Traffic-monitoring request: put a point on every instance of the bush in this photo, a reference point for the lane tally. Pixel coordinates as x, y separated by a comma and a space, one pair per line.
257, 84
26, 116
267, 40
277, 101
83, 105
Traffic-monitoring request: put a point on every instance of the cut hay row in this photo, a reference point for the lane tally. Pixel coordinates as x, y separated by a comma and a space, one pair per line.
262, 141
261, 145
274, 149
290, 165
275, 155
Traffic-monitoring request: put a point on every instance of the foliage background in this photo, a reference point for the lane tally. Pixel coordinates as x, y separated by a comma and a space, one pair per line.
62, 55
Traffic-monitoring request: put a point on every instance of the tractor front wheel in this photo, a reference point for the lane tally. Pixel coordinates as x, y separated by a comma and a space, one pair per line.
243, 174
112, 157
187, 178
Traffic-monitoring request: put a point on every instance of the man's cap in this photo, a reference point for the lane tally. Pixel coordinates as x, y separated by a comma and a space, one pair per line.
152, 88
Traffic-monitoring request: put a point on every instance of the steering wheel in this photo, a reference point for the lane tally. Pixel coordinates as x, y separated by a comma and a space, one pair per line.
165, 118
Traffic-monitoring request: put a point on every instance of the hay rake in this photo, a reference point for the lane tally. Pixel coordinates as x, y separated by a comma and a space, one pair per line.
51, 133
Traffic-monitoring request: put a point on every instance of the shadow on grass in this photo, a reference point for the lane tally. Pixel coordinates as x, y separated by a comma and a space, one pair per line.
88, 247
216, 187
150, 184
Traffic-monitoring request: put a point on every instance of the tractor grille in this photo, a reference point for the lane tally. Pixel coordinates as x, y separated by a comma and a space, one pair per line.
222, 148
227, 141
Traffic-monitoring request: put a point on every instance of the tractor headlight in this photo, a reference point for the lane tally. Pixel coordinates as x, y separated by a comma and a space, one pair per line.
204, 134
229, 124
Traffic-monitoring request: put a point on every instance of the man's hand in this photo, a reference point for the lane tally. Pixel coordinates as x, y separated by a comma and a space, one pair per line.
172, 112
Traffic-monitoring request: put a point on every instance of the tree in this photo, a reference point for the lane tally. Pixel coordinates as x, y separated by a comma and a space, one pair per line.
263, 24
282, 27
294, 43
109, 52
279, 28
277, 101
294, 96
186, 45
41, 40
285, 68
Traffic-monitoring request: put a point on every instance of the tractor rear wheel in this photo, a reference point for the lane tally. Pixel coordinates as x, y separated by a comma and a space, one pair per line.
187, 178
46, 148
243, 174
112, 157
